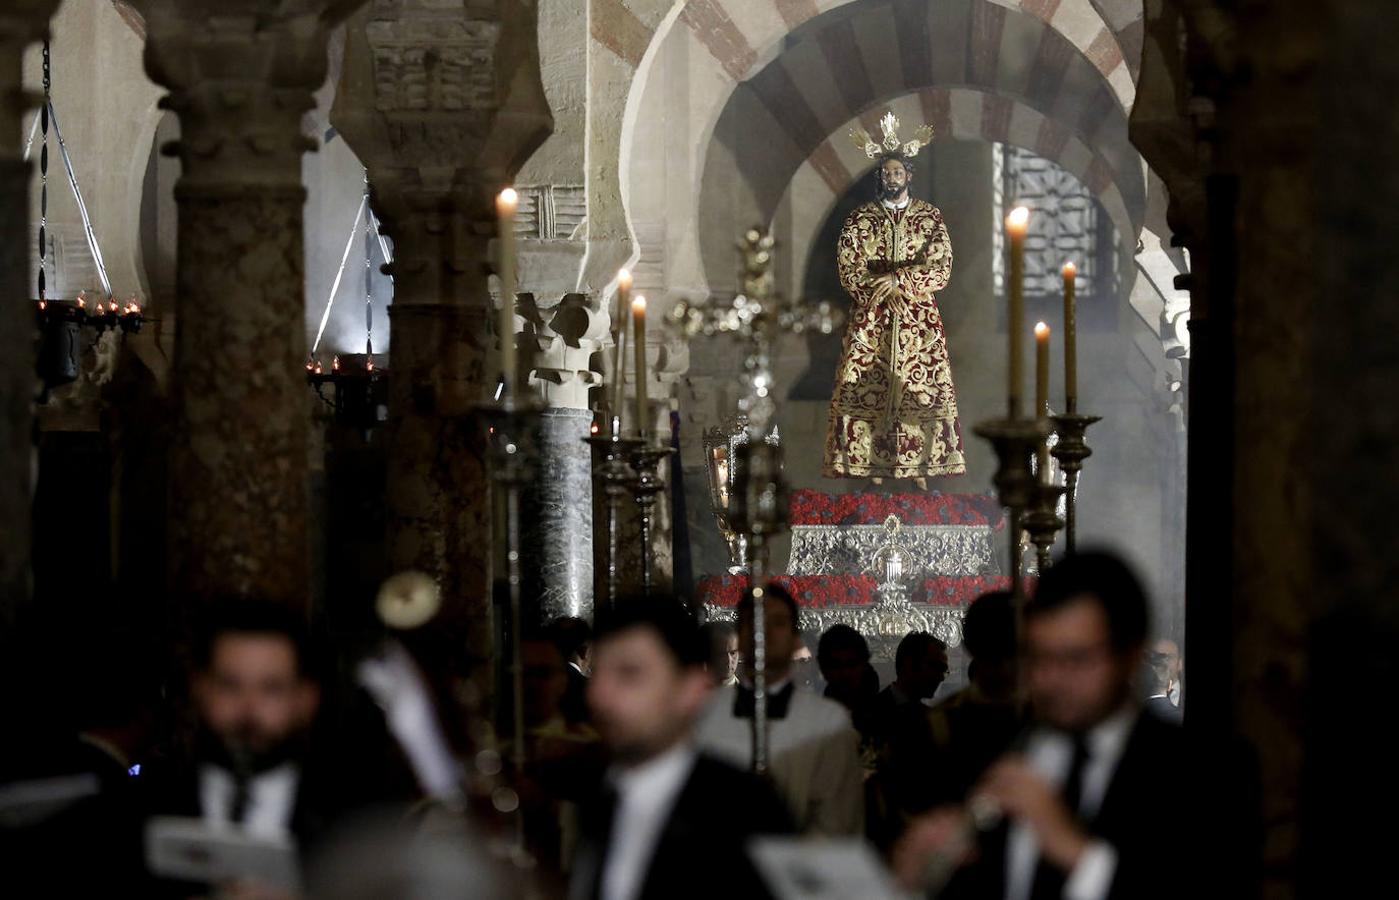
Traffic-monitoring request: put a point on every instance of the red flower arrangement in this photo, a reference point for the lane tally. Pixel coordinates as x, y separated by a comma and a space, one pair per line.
810, 507
959, 590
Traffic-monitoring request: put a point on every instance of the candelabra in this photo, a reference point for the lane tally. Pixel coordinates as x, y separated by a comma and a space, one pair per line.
361, 389
61, 324
509, 422
615, 476
1042, 520
645, 459
1071, 450
1015, 441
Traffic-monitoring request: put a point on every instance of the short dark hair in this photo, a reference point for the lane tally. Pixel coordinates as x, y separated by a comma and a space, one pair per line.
915, 643
841, 637
908, 164
570, 634
254, 617
1102, 578
666, 616
988, 627
717, 631
772, 591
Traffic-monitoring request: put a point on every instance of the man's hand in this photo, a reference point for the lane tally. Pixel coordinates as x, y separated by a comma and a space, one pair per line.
930, 848
886, 290
1028, 798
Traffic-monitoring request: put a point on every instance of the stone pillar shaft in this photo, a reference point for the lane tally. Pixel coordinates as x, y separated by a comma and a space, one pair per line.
20, 24
442, 102
239, 492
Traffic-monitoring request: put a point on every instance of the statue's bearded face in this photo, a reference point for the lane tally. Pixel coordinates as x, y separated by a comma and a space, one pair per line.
893, 179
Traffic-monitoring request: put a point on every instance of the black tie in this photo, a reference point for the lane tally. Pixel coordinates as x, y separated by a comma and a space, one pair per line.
745, 702
1049, 878
238, 807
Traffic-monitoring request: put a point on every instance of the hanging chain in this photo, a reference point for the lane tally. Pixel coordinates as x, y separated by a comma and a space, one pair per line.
368, 274
44, 179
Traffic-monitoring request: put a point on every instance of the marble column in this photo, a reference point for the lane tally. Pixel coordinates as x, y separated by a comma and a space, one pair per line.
442, 103
560, 334
21, 23
240, 84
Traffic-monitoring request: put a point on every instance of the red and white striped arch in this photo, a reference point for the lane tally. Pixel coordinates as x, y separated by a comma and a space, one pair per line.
1054, 66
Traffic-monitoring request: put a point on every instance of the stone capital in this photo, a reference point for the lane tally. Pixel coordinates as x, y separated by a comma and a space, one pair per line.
442, 101
241, 74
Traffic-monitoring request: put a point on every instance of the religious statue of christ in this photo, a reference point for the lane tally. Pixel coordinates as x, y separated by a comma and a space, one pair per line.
894, 408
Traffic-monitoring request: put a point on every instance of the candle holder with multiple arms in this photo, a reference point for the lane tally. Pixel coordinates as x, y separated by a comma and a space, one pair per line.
1015, 441
1070, 451
646, 484
615, 476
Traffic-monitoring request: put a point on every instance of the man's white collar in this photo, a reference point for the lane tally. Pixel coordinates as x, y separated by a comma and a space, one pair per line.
888, 204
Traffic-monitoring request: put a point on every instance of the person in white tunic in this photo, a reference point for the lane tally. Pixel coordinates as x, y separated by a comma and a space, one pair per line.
814, 750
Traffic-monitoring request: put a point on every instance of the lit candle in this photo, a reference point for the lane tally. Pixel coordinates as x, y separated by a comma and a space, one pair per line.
1070, 340
638, 314
624, 283
505, 206
1017, 223
1042, 391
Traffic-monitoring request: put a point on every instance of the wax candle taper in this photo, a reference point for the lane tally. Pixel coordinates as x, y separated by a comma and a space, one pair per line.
1070, 339
505, 205
624, 284
1017, 224
638, 309
1042, 392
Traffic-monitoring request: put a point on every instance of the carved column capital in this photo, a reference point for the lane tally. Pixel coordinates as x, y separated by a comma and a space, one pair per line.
241, 75
443, 103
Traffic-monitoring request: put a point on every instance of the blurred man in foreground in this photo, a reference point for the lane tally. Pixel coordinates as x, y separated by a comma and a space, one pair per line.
670, 821
1092, 799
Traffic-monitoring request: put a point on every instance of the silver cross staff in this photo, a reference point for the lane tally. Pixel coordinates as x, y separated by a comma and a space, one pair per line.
757, 505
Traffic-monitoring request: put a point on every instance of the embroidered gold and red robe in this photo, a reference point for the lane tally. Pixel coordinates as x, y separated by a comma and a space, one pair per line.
894, 408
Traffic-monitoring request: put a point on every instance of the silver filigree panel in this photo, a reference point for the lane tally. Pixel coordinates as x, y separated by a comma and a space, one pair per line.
928, 551
884, 624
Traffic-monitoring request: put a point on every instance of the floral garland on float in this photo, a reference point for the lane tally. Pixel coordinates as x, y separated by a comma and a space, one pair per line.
811, 507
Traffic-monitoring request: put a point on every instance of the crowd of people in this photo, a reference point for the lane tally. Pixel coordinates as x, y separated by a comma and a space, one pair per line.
1055, 772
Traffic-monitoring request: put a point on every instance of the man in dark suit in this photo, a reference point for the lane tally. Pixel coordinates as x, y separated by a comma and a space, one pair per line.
669, 822
920, 666
1093, 799
574, 639
255, 700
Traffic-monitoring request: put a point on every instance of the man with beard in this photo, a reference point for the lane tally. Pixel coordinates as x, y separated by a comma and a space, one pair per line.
1092, 795
814, 751
894, 407
255, 699
670, 821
